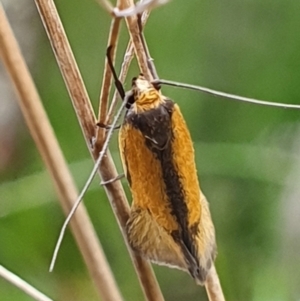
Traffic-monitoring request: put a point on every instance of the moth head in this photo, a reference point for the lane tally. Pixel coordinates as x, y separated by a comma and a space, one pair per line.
140, 84
144, 92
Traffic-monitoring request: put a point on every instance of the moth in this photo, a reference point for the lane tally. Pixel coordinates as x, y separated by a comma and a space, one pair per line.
170, 222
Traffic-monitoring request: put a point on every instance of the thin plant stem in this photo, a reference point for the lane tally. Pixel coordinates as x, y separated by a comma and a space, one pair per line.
107, 75
213, 286
106, 82
151, 65
22, 285
135, 37
43, 135
86, 186
68, 66
87, 121
112, 41
124, 70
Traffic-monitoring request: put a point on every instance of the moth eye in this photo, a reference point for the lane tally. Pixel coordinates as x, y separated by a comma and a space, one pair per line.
133, 81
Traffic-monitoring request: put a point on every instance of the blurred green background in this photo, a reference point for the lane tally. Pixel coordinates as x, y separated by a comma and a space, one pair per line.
247, 155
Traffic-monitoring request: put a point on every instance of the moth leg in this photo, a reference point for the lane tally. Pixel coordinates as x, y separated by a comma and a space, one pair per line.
118, 177
108, 127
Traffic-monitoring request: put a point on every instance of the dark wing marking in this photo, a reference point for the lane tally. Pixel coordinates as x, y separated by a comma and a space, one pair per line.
156, 127
154, 124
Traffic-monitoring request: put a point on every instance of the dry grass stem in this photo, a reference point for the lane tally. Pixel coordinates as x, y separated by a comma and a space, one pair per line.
47, 144
107, 74
150, 62
106, 81
120, 206
135, 37
122, 76
213, 286
124, 70
22, 285
87, 120
68, 67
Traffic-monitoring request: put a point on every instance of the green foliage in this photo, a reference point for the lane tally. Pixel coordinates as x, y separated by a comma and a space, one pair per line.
245, 154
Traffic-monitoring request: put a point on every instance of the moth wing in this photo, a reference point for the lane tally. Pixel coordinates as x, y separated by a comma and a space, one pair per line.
156, 127
205, 240
152, 241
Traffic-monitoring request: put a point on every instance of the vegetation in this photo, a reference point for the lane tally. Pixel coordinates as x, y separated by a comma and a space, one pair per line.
246, 154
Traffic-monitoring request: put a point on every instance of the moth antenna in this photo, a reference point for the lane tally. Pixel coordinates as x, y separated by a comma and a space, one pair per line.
226, 95
121, 91
86, 186
118, 84
118, 177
